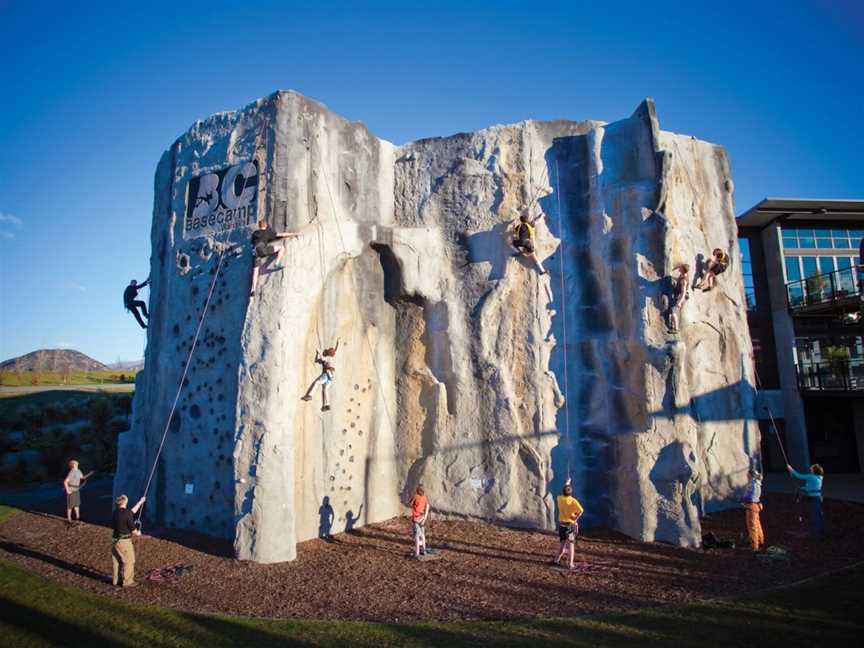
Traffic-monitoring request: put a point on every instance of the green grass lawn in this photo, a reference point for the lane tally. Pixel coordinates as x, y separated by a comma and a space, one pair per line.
824, 612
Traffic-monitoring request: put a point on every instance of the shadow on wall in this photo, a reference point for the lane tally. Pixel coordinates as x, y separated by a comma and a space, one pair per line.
325, 518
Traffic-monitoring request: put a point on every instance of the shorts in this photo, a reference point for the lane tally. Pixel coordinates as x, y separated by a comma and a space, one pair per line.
417, 529
524, 245
263, 251
73, 499
325, 379
567, 532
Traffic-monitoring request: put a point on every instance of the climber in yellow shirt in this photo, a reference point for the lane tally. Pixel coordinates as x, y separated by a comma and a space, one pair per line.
569, 511
522, 241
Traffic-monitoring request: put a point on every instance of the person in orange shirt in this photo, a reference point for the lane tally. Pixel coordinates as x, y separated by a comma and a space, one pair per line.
569, 511
419, 513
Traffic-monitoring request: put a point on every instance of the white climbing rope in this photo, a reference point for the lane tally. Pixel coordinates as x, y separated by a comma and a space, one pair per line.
561, 258
213, 281
366, 335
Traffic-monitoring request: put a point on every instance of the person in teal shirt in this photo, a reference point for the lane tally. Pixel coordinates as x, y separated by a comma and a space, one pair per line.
812, 490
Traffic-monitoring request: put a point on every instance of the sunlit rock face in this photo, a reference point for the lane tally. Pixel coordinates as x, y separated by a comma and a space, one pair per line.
459, 365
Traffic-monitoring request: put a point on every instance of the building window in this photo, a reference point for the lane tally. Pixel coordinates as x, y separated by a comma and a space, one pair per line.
747, 273
821, 239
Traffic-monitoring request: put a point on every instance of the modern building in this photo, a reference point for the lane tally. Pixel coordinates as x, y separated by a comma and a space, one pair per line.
804, 285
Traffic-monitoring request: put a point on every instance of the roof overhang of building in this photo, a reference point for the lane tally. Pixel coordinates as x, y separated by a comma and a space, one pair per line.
800, 209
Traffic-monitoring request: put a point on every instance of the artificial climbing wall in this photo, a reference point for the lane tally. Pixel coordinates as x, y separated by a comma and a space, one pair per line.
459, 365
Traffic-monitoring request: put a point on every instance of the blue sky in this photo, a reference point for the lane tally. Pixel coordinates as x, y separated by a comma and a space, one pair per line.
94, 93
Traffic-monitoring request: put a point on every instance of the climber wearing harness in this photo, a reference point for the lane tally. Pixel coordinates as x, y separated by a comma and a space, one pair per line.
132, 304
717, 265
812, 490
262, 249
680, 294
522, 242
325, 359
122, 549
72, 486
569, 511
752, 507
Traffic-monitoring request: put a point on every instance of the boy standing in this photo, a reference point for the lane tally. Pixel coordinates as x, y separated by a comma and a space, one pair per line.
569, 511
72, 487
752, 507
419, 513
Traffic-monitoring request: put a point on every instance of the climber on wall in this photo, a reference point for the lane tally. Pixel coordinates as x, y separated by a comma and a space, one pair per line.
569, 512
262, 249
717, 265
522, 241
325, 358
752, 507
132, 304
680, 294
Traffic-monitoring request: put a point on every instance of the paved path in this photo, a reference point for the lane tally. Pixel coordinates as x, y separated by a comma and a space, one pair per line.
19, 390
848, 487
49, 498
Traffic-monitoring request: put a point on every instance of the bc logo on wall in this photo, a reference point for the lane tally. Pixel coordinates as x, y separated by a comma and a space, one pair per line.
221, 200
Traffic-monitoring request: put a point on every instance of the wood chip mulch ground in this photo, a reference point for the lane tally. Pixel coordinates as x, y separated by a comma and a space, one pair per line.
482, 571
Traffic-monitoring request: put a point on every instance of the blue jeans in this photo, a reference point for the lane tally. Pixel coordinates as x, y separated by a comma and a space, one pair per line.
817, 519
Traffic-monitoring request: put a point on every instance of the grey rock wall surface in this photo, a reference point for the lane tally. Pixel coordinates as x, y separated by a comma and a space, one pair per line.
459, 366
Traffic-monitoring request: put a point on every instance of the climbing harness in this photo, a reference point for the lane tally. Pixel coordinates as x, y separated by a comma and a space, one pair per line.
168, 572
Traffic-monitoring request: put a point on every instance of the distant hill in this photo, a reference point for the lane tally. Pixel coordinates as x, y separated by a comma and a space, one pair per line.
134, 365
52, 360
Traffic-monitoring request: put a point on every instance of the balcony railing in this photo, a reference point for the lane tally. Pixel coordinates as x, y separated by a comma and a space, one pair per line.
837, 375
824, 289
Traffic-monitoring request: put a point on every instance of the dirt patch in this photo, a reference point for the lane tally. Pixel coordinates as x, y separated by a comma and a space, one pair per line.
484, 571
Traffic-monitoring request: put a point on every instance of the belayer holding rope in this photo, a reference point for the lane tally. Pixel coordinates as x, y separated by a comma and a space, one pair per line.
751, 501
522, 241
122, 549
132, 305
812, 491
569, 512
326, 359
72, 486
716, 265
262, 250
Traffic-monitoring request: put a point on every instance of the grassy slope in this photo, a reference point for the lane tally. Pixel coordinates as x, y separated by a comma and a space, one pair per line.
37, 612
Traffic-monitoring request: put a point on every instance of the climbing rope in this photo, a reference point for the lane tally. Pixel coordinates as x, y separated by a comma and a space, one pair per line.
188, 362
771, 417
390, 419
561, 258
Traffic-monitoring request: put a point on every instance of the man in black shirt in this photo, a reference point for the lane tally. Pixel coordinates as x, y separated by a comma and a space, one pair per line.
262, 250
133, 304
122, 549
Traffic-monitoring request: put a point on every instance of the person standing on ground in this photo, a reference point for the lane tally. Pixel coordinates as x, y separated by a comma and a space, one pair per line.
522, 242
812, 491
132, 304
569, 512
262, 238
419, 514
122, 549
72, 487
752, 507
